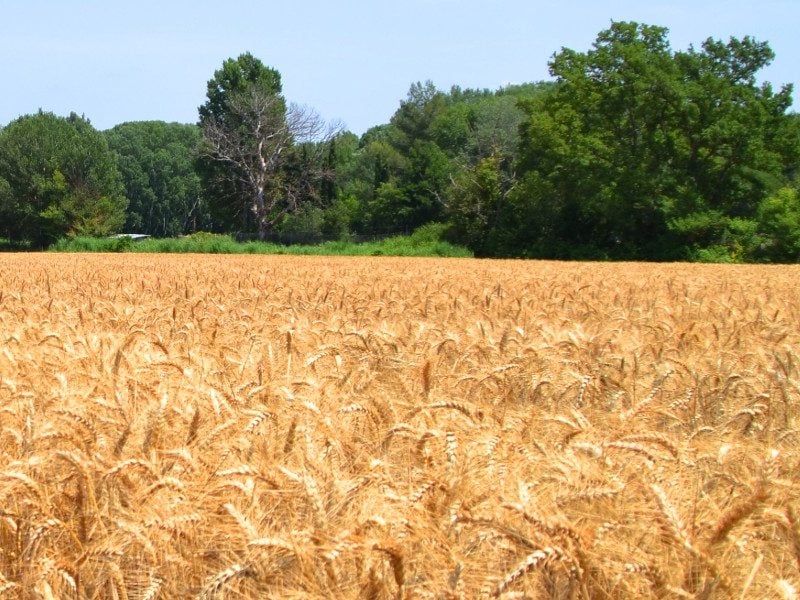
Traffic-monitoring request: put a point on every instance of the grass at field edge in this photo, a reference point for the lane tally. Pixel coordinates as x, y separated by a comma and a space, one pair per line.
221, 244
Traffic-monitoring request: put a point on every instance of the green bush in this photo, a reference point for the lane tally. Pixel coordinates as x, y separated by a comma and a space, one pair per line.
121, 244
338, 219
778, 237
305, 225
430, 233
424, 244
713, 254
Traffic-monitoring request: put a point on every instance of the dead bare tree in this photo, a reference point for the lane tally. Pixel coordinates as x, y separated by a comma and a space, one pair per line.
252, 140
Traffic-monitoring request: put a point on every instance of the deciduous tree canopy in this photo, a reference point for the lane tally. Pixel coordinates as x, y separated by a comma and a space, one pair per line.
157, 163
643, 152
57, 177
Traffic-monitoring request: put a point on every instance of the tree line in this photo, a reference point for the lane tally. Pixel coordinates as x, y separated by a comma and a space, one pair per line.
632, 151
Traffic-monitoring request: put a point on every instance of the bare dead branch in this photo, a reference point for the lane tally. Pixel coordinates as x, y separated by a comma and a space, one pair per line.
253, 139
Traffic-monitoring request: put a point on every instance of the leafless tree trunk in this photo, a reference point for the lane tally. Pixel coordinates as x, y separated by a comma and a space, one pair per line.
252, 140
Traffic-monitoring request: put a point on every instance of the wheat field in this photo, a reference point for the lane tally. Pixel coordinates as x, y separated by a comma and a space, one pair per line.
293, 427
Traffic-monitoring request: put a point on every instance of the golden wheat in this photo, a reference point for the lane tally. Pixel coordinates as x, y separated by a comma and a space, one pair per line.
249, 427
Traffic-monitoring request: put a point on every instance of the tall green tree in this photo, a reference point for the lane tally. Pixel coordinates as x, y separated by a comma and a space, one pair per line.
157, 163
422, 165
408, 169
373, 177
255, 146
57, 177
479, 204
228, 180
642, 152
413, 119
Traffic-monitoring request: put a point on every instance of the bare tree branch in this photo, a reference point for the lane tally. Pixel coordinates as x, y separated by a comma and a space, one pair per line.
253, 139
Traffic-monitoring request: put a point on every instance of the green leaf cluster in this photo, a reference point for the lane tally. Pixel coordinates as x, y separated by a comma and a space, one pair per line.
408, 172
57, 178
646, 153
157, 162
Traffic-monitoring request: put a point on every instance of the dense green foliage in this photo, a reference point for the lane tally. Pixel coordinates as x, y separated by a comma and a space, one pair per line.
158, 165
420, 243
401, 175
633, 151
642, 152
57, 177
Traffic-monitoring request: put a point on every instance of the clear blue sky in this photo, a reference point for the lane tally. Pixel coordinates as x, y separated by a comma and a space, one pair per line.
352, 61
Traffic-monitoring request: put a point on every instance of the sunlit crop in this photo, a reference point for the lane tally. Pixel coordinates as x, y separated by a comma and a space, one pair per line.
295, 427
